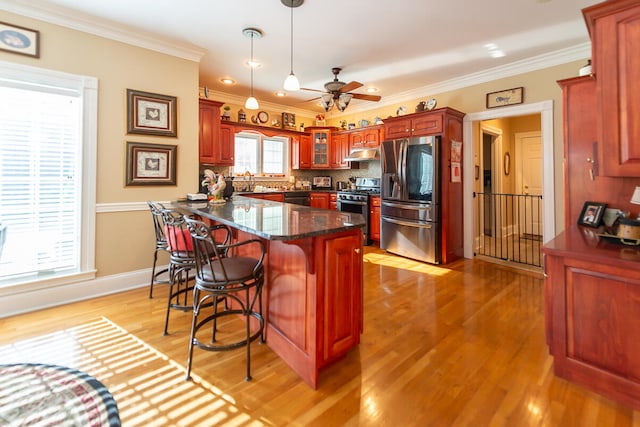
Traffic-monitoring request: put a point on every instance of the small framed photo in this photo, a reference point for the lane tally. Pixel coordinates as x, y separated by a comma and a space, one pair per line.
151, 113
151, 164
505, 97
24, 41
591, 214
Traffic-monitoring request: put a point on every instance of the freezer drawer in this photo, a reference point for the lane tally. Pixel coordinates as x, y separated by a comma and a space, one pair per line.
418, 240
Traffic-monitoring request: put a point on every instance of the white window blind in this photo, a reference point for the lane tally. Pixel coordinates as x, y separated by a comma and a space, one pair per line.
40, 181
259, 154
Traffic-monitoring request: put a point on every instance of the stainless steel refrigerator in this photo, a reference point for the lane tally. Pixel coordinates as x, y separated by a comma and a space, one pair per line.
410, 198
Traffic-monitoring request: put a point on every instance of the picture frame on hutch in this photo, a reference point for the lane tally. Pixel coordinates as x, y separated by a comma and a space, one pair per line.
150, 164
151, 113
592, 213
21, 40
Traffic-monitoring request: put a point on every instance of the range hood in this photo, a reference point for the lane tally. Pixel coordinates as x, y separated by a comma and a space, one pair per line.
363, 155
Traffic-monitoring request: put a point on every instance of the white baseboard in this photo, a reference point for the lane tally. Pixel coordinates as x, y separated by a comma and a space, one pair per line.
24, 302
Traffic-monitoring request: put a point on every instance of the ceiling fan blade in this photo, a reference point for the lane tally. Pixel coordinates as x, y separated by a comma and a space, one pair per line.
312, 90
350, 86
312, 99
366, 97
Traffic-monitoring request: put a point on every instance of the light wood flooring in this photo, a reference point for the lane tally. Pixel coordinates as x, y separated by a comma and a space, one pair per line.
455, 345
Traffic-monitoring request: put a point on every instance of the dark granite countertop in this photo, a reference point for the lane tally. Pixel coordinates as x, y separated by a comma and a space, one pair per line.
274, 220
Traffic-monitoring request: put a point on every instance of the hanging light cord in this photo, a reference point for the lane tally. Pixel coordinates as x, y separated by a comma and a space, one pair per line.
251, 64
291, 37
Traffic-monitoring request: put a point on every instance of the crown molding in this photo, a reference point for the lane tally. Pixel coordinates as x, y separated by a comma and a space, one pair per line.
551, 59
271, 106
77, 21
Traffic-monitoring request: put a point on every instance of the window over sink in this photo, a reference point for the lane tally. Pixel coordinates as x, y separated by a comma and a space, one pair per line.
261, 155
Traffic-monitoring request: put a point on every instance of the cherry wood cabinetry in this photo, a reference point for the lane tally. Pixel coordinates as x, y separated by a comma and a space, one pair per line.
333, 201
368, 137
374, 218
339, 151
592, 301
320, 147
301, 152
274, 197
416, 124
592, 286
319, 200
614, 27
209, 149
583, 178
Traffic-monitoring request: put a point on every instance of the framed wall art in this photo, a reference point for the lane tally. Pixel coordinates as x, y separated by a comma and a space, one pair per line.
151, 164
151, 113
505, 97
24, 41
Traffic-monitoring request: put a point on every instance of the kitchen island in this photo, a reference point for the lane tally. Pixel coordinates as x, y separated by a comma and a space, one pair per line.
313, 276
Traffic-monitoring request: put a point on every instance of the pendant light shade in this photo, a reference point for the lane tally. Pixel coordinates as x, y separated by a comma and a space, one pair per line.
252, 102
291, 83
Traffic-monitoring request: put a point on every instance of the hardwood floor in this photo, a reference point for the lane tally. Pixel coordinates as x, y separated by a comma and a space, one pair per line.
460, 345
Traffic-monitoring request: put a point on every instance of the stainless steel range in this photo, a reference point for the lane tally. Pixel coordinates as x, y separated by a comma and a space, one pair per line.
357, 200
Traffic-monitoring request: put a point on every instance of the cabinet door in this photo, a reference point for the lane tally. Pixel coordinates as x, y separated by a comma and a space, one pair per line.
426, 124
356, 139
339, 151
319, 200
333, 201
320, 141
374, 218
342, 295
278, 197
301, 152
616, 43
397, 128
224, 151
371, 138
209, 135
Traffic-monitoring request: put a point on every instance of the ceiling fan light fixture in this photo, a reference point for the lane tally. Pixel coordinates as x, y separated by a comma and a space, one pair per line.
291, 83
252, 102
326, 99
343, 101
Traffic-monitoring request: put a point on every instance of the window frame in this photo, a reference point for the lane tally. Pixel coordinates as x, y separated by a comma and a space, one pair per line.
86, 88
286, 165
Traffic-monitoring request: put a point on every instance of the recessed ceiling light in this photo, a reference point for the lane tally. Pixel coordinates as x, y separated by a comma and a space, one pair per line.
497, 54
372, 89
280, 93
253, 64
227, 81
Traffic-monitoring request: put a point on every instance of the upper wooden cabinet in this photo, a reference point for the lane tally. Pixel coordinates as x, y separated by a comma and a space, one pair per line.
209, 136
416, 124
301, 152
320, 143
368, 137
339, 151
614, 27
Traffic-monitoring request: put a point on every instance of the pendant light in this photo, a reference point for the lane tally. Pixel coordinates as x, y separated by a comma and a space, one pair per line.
291, 83
252, 102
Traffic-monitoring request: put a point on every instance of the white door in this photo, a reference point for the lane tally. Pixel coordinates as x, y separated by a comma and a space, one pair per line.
529, 181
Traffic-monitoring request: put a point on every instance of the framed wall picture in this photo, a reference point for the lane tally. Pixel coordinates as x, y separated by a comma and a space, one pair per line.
505, 97
591, 214
151, 164
151, 113
24, 41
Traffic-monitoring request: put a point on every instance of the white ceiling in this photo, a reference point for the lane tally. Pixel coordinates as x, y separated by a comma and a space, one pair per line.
398, 46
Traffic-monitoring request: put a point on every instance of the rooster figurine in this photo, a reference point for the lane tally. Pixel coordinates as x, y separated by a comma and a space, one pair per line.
214, 186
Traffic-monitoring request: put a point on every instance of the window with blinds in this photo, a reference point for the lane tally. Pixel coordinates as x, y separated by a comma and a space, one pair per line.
41, 178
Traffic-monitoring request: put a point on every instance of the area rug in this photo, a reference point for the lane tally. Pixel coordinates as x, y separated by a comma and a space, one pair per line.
33, 394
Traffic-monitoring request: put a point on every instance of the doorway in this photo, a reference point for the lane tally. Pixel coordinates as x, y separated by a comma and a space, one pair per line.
472, 155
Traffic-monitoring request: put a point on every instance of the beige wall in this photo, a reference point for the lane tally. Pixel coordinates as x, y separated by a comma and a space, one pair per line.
123, 239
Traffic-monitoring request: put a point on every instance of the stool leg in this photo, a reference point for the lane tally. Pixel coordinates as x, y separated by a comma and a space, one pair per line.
194, 319
153, 273
172, 280
247, 312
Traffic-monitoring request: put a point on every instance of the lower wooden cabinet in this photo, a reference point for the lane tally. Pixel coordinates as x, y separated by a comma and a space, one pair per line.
320, 200
333, 201
592, 322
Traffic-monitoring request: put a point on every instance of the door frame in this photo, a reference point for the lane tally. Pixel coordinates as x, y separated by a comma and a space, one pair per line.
496, 168
545, 109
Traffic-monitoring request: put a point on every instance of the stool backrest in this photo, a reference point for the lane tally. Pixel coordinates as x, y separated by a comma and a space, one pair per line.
156, 209
177, 233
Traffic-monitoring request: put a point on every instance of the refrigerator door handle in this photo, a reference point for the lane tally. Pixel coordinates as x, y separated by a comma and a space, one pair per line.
405, 206
407, 223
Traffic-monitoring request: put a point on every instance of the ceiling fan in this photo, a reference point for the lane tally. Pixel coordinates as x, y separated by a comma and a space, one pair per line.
339, 93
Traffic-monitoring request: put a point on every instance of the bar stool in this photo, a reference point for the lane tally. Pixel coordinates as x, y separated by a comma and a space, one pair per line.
238, 280
156, 209
182, 262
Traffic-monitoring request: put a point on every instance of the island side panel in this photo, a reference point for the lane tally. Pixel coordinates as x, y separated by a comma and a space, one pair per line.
291, 327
